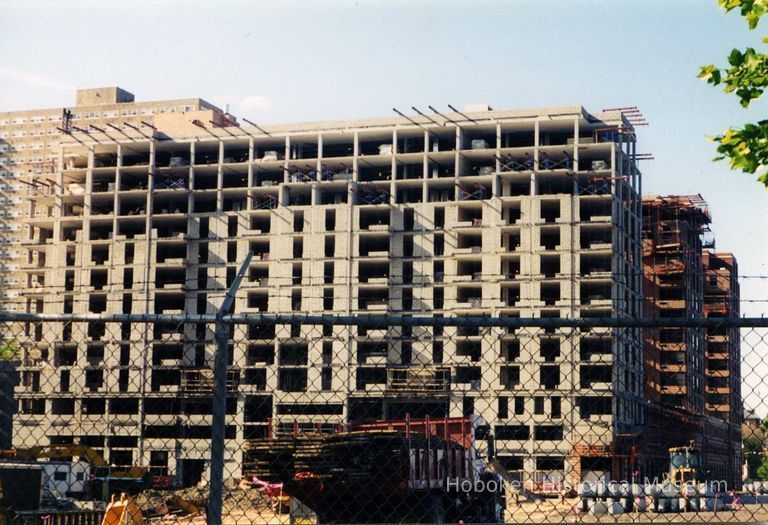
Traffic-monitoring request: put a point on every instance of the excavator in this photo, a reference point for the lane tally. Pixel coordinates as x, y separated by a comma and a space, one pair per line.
106, 479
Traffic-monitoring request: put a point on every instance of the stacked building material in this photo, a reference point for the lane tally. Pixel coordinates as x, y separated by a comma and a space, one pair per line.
345, 458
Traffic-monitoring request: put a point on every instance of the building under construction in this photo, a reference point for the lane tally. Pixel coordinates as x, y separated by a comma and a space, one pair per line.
29, 156
723, 398
682, 375
514, 213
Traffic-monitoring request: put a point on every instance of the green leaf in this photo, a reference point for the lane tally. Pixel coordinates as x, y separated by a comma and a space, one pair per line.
711, 74
747, 77
735, 58
746, 149
751, 10
9, 350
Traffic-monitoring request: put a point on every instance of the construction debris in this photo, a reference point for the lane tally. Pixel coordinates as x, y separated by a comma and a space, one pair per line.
192, 501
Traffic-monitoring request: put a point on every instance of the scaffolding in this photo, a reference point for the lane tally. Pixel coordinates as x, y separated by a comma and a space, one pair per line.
264, 202
343, 173
672, 258
509, 163
371, 194
474, 193
296, 174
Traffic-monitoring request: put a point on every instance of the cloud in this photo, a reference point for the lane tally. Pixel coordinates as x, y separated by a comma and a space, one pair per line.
35, 79
255, 102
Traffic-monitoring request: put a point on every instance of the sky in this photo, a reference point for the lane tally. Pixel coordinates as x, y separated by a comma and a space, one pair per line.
287, 61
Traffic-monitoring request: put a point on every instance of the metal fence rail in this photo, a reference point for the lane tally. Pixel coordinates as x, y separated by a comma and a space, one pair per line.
337, 419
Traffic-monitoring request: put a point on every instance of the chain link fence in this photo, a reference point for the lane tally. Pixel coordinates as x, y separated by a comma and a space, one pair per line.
320, 419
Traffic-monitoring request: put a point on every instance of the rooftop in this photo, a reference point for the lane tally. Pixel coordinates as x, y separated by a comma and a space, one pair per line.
110, 95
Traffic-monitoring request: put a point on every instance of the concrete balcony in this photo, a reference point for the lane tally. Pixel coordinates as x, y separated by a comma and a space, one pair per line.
376, 280
376, 306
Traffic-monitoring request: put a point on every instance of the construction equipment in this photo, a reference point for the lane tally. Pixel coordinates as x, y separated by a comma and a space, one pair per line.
106, 479
122, 512
125, 511
95, 459
684, 465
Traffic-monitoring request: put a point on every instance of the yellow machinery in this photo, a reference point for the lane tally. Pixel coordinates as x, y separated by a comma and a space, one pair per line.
96, 460
125, 511
684, 465
122, 512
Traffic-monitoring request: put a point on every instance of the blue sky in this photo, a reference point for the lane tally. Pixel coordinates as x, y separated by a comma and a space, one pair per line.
278, 61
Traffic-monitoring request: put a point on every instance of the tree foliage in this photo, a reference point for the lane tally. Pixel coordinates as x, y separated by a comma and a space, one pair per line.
762, 471
9, 350
745, 148
755, 446
752, 10
747, 76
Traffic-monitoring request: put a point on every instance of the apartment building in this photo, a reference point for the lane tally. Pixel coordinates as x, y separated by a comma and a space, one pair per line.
529, 213
29, 147
723, 398
692, 391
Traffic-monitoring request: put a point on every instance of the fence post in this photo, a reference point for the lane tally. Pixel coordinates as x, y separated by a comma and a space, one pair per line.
218, 427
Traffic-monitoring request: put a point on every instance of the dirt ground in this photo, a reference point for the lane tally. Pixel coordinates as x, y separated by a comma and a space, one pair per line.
241, 507
542, 512
559, 511
249, 506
